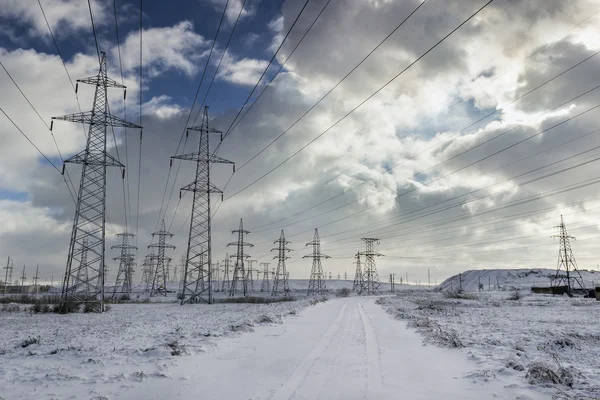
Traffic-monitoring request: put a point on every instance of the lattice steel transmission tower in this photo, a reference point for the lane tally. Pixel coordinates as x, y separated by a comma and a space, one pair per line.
159, 280
90, 210
226, 284
239, 271
370, 276
316, 284
250, 275
124, 281
566, 262
265, 286
358, 284
197, 282
148, 271
8, 274
280, 280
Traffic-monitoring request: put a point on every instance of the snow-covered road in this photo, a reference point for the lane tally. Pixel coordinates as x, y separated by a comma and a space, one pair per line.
342, 349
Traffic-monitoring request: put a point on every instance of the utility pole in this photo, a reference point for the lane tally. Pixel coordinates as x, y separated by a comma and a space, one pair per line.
316, 284
35, 280
159, 279
358, 284
345, 275
239, 271
124, 281
265, 286
199, 251
280, 281
392, 283
566, 261
90, 209
371, 277
23, 277
7, 274
226, 286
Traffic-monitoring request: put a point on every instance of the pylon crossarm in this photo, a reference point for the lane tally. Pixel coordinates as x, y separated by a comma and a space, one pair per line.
201, 128
245, 244
88, 117
202, 158
193, 187
101, 81
94, 159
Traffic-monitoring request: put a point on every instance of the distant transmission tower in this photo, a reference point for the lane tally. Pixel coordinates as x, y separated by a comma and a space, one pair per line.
124, 281
23, 278
265, 286
250, 276
566, 262
35, 280
148, 271
90, 210
159, 279
7, 274
280, 281
226, 285
316, 284
358, 284
370, 277
197, 281
239, 272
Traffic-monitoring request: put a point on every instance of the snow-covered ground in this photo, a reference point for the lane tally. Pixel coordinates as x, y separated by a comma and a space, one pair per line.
76, 354
509, 278
525, 338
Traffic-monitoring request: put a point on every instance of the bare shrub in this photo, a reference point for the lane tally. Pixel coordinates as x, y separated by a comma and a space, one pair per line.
343, 292
515, 295
29, 341
460, 295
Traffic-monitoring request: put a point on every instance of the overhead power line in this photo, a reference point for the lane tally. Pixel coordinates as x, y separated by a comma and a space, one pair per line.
361, 103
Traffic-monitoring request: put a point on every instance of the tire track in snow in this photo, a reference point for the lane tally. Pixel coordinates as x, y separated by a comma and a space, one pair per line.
374, 373
295, 380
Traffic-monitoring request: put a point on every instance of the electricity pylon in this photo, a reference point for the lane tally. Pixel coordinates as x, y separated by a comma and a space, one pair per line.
370, 277
316, 284
90, 209
124, 281
148, 271
159, 280
358, 284
35, 280
250, 276
280, 281
226, 285
239, 271
23, 278
265, 286
197, 282
566, 262
7, 274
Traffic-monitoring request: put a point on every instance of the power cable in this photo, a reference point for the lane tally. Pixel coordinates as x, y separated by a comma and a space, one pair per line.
361, 103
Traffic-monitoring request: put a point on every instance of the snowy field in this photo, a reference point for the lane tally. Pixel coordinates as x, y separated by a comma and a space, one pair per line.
551, 343
73, 356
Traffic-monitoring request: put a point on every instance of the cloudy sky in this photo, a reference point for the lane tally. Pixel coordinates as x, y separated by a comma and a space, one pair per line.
465, 159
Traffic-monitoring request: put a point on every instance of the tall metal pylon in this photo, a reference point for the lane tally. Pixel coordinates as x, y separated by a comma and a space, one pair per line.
358, 284
239, 271
566, 262
8, 274
316, 284
159, 280
280, 280
23, 278
265, 286
370, 276
250, 276
90, 209
226, 284
148, 271
124, 281
197, 282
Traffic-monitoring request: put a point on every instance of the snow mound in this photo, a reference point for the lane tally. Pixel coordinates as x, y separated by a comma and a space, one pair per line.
507, 279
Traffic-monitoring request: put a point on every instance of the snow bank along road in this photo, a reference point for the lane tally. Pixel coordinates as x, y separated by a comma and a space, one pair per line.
342, 349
